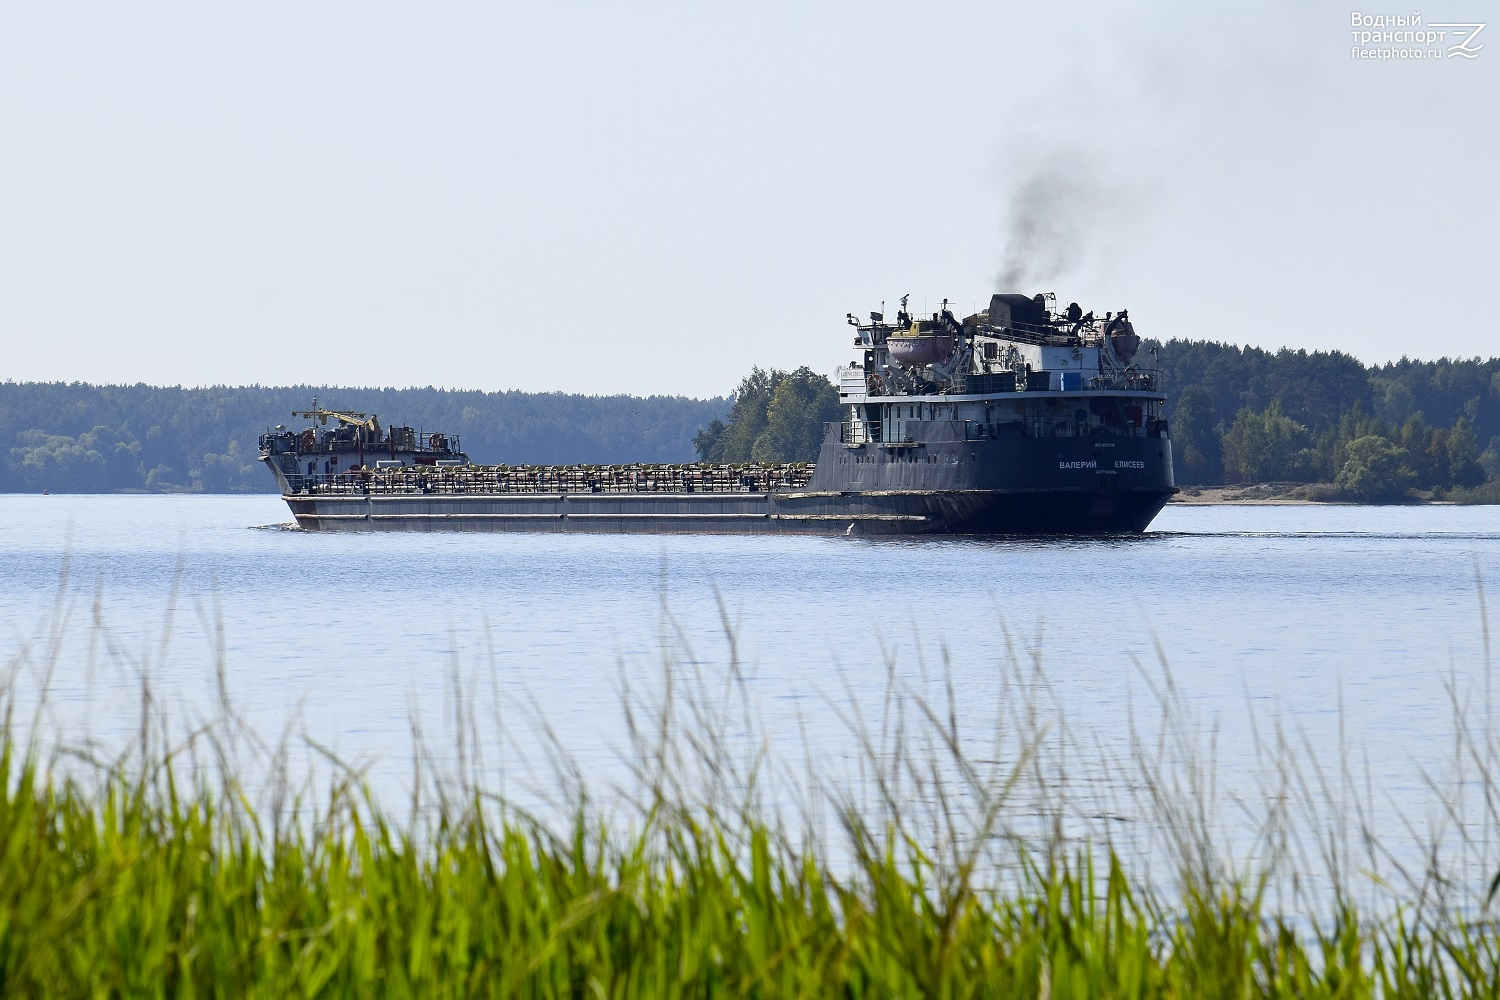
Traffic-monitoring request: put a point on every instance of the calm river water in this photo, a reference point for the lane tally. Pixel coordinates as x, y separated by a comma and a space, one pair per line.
1332, 620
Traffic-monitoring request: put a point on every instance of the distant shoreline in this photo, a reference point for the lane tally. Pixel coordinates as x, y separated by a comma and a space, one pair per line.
1277, 495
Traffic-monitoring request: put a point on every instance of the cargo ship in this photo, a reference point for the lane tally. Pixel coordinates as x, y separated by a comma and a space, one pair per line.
1019, 419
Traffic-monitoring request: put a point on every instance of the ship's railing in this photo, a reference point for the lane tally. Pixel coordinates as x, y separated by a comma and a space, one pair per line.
1047, 380
305, 443
273, 446
1141, 379
1048, 334
1073, 380
1052, 428
503, 479
1030, 333
857, 432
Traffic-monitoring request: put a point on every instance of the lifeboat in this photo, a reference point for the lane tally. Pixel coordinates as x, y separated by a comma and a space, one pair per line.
1122, 338
922, 343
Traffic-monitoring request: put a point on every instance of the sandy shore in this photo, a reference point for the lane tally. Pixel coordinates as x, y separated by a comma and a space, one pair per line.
1269, 494
1255, 493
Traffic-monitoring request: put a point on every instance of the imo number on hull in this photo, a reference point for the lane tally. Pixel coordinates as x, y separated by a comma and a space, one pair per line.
1019, 419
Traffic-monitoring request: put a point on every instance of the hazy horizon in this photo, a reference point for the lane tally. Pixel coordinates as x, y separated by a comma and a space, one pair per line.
591, 199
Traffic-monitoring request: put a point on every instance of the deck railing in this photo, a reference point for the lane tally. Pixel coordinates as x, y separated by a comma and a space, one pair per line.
857, 432
502, 479
854, 433
1006, 382
1129, 380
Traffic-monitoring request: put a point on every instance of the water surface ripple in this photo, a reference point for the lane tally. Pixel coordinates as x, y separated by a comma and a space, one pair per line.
1302, 614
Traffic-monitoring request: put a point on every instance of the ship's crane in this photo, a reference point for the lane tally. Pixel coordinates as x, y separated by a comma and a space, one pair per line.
364, 421
367, 422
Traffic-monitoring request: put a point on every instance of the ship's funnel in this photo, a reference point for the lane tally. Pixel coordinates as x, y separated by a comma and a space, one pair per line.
1009, 308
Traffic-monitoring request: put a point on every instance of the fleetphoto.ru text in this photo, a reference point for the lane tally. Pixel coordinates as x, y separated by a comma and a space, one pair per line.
1406, 37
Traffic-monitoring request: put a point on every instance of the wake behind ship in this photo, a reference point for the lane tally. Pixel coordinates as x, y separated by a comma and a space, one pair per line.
1020, 419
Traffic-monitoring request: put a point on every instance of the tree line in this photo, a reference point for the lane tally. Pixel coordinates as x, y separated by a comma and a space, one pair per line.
1237, 415
1374, 433
76, 437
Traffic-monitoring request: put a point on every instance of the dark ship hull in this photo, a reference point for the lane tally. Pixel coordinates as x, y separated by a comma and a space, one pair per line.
966, 487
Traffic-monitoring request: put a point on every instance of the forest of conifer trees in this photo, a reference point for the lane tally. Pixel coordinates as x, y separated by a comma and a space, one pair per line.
109, 438
1242, 415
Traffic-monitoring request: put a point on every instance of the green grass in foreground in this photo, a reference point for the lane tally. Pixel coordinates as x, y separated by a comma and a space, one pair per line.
136, 890
953, 872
